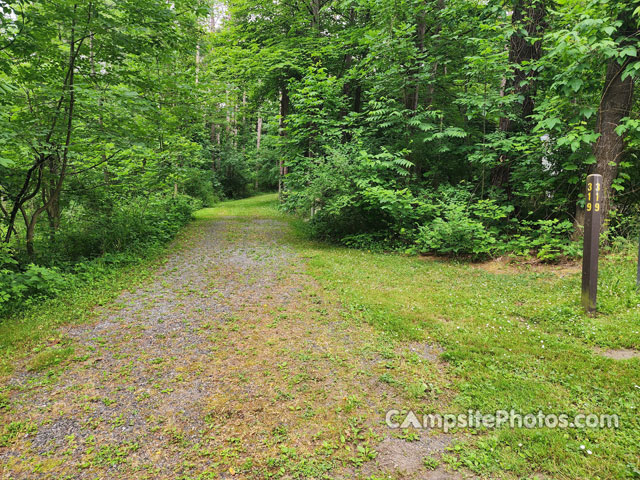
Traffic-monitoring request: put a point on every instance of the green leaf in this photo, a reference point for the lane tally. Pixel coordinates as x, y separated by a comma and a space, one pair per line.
550, 123
575, 145
587, 112
629, 51
575, 84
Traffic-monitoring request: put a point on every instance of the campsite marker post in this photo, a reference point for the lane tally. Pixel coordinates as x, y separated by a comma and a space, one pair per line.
638, 277
592, 223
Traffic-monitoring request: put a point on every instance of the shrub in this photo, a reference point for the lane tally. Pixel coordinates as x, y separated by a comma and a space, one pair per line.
364, 201
366, 241
550, 240
353, 193
6, 256
89, 242
32, 283
202, 185
456, 234
126, 225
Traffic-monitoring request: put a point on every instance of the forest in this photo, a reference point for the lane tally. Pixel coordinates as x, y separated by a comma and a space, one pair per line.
454, 127
236, 236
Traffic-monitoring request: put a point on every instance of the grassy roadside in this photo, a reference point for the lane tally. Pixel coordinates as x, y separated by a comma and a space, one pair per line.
36, 329
512, 339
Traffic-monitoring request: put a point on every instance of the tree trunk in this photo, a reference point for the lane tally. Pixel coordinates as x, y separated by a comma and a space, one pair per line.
530, 15
357, 98
284, 111
615, 104
258, 138
314, 8
197, 63
50, 198
227, 113
421, 28
244, 111
412, 99
212, 138
234, 123
56, 186
258, 133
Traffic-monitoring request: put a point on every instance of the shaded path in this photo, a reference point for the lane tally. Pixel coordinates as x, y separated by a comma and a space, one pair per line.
231, 363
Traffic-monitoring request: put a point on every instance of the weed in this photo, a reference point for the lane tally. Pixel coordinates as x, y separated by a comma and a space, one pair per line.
49, 358
430, 463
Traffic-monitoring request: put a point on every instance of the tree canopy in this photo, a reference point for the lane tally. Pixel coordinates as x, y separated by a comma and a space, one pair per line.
448, 126
386, 117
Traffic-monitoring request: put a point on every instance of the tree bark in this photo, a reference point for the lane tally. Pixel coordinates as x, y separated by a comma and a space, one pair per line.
51, 198
284, 111
258, 139
421, 28
314, 8
258, 133
530, 15
212, 138
615, 104
197, 63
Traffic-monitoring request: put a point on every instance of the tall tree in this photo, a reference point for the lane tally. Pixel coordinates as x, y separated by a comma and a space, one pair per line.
615, 105
525, 47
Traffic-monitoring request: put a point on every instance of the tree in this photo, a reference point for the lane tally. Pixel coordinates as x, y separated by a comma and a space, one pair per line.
615, 104
81, 85
525, 48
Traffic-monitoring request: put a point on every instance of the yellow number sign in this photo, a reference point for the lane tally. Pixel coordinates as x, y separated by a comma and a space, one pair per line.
593, 206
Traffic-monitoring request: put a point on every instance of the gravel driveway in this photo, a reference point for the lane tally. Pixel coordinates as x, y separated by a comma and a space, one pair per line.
230, 363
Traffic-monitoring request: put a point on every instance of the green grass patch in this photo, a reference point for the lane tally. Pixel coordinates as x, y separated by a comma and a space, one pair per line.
11, 431
49, 358
515, 339
261, 206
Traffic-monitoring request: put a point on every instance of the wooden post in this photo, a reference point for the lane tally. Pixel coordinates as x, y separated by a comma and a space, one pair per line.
638, 276
592, 225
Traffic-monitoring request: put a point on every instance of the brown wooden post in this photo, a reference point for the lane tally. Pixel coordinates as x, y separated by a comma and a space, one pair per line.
592, 223
638, 276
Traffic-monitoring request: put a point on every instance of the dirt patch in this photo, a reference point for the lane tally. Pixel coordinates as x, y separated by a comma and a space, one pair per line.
513, 266
442, 474
406, 459
426, 351
510, 266
620, 354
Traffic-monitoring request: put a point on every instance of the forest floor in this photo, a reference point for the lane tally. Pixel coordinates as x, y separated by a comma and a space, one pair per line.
250, 352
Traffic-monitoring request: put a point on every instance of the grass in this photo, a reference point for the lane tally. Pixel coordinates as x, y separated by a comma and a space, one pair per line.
516, 339
511, 339
261, 206
49, 358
